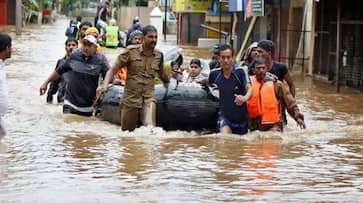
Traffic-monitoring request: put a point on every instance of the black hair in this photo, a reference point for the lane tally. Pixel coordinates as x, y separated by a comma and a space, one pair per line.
216, 49
5, 41
71, 39
179, 60
195, 61
148, 28
85, 23
79, 18
267, 45
257, 61
225, 47
173, 63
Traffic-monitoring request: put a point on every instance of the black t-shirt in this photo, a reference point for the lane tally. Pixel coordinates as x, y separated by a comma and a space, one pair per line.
279, 69
83, 77
104, 12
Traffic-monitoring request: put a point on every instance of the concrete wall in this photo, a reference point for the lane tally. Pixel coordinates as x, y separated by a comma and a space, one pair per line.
127, 14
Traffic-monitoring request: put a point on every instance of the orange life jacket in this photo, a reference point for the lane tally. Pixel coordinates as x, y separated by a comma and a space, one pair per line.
264, 102
122, 73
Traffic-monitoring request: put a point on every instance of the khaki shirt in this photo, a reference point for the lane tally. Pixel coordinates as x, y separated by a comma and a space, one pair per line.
141, 71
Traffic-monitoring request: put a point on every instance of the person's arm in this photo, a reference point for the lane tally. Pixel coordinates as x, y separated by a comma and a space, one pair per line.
290, 82
106, 66
44, 86
284, 95
100, 13
162, 74
54, 76
240, 99
121, 61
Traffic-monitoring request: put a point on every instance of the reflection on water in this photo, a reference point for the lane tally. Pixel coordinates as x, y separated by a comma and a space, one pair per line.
48, 157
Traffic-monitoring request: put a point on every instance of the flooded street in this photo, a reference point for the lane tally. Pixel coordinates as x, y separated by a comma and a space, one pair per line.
48, 158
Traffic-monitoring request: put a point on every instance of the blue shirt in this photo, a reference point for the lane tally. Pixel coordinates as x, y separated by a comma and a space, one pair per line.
228, 87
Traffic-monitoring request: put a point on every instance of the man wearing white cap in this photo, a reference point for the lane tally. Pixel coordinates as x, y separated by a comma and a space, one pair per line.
84, 67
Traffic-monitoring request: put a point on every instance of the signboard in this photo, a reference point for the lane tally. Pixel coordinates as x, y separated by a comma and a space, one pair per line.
258, 7
255, 8
191, 6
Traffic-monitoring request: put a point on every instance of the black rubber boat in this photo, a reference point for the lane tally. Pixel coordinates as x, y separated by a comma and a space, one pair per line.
182, 106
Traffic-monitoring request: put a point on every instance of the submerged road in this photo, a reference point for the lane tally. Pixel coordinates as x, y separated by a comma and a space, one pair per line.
47, 158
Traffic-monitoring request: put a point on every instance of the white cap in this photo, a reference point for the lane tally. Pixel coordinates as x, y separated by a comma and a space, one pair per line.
91, 39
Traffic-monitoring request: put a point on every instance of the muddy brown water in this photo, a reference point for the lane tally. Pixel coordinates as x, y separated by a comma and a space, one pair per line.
46, 157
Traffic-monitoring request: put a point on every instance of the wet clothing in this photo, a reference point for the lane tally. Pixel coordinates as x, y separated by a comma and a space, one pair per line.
237, 128
83, 75
57, 85
264, 103
190, 79
139, 87
3, 96
132, 117
228, 87
280, 70
3, 90
284, 99
141, 71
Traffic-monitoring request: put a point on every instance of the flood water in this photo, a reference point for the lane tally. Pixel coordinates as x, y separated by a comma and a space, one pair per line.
46, 157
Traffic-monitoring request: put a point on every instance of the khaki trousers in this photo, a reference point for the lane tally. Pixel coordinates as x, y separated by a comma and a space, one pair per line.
131, 116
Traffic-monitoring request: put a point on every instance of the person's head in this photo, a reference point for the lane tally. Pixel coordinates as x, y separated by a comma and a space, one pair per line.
251, 53
89, 47
226, 56
136, 20
266, 49
150, 36
71, 45
136, 37
259, 67
5, 46
83, 27
112, 22
79, 18
195, 67
92, 31
179, 60
215, 52
175, 69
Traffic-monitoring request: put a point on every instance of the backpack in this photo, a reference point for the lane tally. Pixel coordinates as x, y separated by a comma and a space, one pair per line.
72, 30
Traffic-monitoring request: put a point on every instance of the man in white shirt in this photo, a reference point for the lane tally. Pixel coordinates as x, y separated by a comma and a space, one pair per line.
5, 53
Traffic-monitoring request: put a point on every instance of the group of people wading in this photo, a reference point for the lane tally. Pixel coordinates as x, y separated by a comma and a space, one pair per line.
252, 97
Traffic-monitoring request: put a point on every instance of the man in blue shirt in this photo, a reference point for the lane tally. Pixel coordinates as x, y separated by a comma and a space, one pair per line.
234, 90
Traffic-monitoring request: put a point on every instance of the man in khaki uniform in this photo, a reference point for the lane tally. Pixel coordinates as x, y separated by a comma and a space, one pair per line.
143, 62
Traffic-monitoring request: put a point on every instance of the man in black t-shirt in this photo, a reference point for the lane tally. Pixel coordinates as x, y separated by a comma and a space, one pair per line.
84, 67
266, 48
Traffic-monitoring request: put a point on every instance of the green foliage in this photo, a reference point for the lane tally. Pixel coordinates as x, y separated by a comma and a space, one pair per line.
30, 10
47, 4
74, 3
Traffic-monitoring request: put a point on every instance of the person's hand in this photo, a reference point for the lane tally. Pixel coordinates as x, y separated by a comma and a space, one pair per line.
43, 88
299, 117
239, 99
101, 89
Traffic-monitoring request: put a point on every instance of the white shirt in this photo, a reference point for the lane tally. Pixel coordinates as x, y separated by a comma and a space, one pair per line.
3, 90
